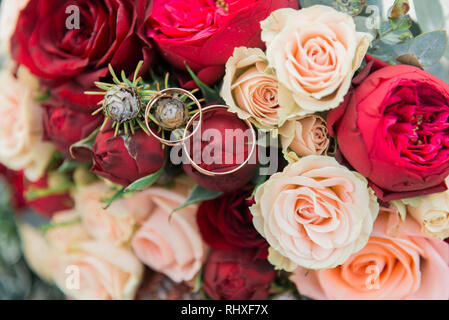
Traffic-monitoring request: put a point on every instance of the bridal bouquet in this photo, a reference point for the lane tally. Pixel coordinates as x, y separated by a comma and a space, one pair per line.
228, 149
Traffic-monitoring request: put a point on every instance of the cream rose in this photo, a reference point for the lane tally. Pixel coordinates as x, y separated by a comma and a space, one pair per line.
249, 89
95, 270
316, 212
169, 242
408, 265
315, 52
115, 224
305, 136
432, 212
21, 145
9, 13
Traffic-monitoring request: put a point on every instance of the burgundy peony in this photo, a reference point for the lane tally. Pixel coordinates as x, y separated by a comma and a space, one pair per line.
124, 160
218, 148
48, 205
393, 128
48, 41
65, 126
226, 223
236, 275
204, 33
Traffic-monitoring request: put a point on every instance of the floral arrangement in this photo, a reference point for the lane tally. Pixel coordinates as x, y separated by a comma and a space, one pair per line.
201, 149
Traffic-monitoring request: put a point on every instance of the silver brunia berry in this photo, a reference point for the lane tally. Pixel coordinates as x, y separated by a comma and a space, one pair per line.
171, 113
121, 104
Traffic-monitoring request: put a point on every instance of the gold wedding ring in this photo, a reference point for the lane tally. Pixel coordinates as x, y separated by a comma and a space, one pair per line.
211, 173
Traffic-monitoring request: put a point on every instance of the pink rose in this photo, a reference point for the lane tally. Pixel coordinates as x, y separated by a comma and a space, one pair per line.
316, 213
402, 265
169, 242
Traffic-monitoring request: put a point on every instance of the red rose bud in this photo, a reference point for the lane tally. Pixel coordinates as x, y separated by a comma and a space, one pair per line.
49, 195
124, 160
65, 126
394, 130
203, 34
90, 35
16, 182
222, 144
226, 223
236, 275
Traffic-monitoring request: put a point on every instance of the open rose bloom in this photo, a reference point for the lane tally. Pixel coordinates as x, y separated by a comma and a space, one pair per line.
223, 150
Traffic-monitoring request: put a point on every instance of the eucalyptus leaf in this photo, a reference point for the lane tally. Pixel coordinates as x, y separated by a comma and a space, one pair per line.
430, 15
309, 3
429, 47
439, 71
199, 194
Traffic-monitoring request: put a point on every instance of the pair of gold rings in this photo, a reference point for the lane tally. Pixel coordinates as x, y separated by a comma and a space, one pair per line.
168, 93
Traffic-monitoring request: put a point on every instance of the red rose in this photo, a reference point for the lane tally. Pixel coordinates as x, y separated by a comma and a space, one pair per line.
16, 182
48, 205
48, 41
124, 160
214, 153
226, 223
394, 129
236, 275
204, 33
65, 126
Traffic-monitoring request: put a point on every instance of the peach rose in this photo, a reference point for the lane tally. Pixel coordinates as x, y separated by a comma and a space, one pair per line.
115, 224
249, 89
36, 251
95, 270
407, 266
21, 145
432, 212
66, 229
305, 136
316, 212
315, 53
169, 242
9, 13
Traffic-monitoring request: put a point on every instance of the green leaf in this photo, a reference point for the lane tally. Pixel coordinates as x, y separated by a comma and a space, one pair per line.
430, 16
43, 96
211, 95
86, 143
429, 47
33, 194
49, 226
68, 166
145, 182
199, 194
118, 195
